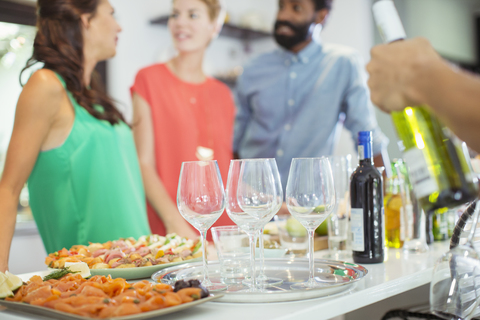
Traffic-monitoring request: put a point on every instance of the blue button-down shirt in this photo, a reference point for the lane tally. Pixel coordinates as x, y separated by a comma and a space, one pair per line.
288, 105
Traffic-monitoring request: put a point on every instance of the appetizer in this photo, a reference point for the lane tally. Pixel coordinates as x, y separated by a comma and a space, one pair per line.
128, 253
103, 297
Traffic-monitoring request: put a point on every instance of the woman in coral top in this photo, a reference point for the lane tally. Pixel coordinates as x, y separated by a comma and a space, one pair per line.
180, 114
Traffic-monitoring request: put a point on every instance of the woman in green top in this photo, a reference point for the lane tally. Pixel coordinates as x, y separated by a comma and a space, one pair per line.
69, 140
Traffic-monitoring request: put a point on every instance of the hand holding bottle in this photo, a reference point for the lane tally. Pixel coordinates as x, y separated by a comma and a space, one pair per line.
401, 73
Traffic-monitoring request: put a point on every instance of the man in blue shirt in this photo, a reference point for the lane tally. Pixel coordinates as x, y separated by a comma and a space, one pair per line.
291, 100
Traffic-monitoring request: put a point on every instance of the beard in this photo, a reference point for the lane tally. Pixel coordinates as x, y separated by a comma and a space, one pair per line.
301, 33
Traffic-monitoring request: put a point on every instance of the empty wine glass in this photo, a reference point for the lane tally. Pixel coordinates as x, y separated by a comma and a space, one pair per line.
310, 199
201, 201
455, 286
263, 280
256, 199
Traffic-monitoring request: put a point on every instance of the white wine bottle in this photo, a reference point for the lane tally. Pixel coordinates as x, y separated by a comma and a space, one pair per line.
438, 167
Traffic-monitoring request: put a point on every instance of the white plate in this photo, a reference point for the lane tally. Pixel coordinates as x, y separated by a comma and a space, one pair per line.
337, 277
134, 273
137, 273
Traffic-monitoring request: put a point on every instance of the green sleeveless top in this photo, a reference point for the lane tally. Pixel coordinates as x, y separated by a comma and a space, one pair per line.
90, 188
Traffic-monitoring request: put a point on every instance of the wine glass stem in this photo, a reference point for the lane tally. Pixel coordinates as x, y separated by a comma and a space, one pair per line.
311, 268
206, 280
253, 243
262, 275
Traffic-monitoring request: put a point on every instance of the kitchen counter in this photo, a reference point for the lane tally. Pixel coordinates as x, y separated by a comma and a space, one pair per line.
401, 273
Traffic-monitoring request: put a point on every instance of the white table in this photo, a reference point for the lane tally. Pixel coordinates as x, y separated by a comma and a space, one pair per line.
401, 273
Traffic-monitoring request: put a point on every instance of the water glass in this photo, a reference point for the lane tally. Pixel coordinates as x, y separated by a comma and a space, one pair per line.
338, 221
231, 244
292, 234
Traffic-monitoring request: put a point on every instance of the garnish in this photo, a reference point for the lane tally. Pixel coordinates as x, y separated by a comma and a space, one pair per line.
59, 274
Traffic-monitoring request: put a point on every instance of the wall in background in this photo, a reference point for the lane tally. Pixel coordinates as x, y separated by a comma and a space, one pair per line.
10, 88
142, 44
448, 24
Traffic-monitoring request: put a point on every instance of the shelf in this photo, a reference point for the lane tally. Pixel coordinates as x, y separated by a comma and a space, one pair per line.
228, 30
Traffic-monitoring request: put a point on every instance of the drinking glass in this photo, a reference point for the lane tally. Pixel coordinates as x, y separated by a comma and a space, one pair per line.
263, 280
338, 225
201, 201
310, 199
251, 199
455, 286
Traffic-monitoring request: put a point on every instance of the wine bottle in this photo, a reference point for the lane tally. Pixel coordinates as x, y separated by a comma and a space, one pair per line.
367, 215
438, 168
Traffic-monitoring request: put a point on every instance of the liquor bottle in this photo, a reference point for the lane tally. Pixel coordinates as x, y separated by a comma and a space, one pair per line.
367, 217
437, 165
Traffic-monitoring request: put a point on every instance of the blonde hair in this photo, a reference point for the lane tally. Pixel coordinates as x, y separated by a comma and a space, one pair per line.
214, 8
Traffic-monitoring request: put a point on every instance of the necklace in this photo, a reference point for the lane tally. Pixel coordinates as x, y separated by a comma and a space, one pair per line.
194, 98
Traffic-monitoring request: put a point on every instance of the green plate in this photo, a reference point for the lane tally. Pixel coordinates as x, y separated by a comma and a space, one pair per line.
137, 273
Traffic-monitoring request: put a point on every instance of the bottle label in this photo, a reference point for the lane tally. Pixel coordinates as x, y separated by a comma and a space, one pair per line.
424, 183
361, 152
356, 225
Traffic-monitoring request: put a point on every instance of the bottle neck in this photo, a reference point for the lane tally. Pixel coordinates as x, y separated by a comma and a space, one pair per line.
365, 152
367, 161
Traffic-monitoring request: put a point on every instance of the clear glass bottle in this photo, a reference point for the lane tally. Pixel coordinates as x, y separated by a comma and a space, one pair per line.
395, 228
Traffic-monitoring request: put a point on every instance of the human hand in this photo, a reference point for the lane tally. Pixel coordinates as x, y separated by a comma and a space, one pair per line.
400, 73
183, 230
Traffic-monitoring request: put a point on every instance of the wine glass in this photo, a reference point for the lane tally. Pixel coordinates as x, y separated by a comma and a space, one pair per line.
263, 280
251, 199
201, 201
310, 199
455, 286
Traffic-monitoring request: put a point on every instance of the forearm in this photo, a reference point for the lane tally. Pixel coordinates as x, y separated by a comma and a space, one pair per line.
8, 213
159, 198
459, 104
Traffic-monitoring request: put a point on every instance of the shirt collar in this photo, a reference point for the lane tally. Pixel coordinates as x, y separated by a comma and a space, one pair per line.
305, 55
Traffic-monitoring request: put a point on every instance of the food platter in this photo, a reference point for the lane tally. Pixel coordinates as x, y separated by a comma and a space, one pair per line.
137, 273
54, 314
338, 277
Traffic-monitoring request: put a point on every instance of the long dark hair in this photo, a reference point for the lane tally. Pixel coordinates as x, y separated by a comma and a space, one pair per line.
59, 45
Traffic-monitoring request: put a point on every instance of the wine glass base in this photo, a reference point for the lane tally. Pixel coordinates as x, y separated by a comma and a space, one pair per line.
263, 283
307, 285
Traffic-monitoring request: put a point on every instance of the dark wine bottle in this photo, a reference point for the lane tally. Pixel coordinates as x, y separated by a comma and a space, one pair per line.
366, 196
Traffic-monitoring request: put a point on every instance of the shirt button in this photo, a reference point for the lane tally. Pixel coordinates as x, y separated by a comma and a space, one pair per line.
280, 152
305, 60
291, 102
293, 75
193, 100
287, 127
287, 63
294, 59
